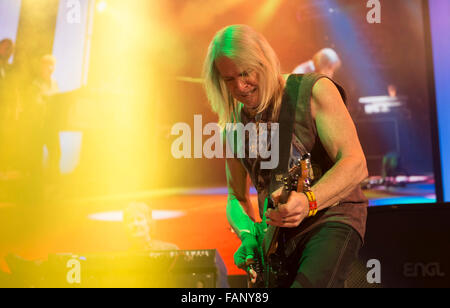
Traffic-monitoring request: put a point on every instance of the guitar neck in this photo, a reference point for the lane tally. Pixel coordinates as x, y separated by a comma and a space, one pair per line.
270, 243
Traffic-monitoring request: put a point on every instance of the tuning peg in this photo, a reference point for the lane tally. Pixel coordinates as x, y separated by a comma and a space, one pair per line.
307, 156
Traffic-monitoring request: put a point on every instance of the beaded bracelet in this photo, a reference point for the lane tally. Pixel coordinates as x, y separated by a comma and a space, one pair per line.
312, 203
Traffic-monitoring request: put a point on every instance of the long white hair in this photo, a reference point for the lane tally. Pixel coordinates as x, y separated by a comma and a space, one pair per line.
249, 50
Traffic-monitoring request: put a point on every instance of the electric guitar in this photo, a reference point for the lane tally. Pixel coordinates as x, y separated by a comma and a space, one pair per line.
270, 264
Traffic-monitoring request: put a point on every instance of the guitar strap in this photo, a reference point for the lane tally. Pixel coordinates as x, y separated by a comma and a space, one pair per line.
286, 122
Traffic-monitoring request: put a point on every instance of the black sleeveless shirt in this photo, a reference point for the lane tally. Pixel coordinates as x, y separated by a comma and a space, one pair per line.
352, 210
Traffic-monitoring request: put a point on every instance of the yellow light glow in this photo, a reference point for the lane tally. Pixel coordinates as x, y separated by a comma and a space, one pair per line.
102, 6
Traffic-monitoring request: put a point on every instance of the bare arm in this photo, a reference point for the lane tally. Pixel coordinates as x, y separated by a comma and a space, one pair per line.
240, 213
338, 135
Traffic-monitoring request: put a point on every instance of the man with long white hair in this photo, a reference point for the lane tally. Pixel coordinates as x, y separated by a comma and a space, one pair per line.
321, 230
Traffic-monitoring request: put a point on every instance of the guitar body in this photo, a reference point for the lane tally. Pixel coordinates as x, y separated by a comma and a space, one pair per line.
275, 270
271, 266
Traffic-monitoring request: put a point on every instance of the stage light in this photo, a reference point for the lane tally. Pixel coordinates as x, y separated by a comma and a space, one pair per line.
102, 6
265, 13
117, 216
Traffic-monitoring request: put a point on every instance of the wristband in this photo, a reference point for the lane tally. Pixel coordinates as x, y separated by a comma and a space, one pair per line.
312, 203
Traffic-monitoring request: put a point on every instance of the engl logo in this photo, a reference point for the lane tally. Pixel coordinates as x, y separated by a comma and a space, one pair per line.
414, 270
